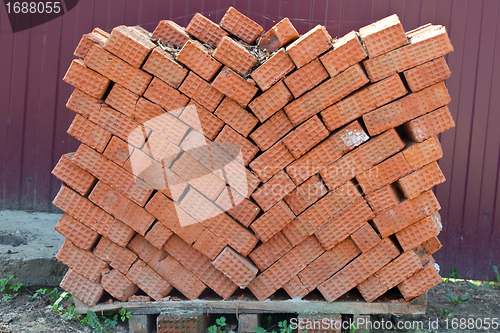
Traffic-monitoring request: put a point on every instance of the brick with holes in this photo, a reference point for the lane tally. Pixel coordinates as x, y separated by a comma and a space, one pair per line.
75, 231
273, 191
205, 30
269, 252
73, 176
198, 59
240, 25
271, 101
83, 104
346, 52
306, 78
366, 238
118, 285
129, 45
309, 46
234, 86
82, 288
237, 117
85, 79
383, 36
162, 64
295, 288
180, 277
430, 124
278, 36
236, 267
209, 244
305, 137
170, 32
235, 56
272, 130
81, 261
274, 69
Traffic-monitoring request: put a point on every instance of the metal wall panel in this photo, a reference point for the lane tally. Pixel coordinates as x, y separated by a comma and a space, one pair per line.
34, 120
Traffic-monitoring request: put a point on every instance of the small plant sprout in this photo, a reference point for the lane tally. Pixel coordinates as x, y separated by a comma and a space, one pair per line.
124, 314
217, 328
457, 301
495, 269
447, 314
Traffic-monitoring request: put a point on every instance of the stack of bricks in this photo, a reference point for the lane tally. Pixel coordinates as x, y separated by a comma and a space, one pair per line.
221, 157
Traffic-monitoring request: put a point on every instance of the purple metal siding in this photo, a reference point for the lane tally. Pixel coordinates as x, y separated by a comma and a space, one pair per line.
34, 120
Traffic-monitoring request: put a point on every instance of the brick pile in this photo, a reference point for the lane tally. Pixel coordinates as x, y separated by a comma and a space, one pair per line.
320, 167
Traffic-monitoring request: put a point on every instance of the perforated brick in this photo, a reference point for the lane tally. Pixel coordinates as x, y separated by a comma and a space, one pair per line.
198, 59
273, 70
162, 64
205, 30
309, 46
240, 25
279, 35
271, 101
234, 86
235, 56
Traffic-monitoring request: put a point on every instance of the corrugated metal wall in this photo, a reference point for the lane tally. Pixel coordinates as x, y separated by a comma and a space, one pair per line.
33, 119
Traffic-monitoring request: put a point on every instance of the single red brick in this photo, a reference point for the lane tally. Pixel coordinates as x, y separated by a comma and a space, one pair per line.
75, 177
346, 52
139, 299
234, 144
306, 136
234, 86
201, 91
122, 208
278, 36
209, 244
427, 74
75, 231
420, 282
117, 70
241, 26
339, 172
412, 236
158, 235
349, 137
272, 130
420, 154
366, 238
205, 30
271, 161
332, 233
235, 56
356, 216
122, 100
146, 251
118, 285
430, 124
85, 79
399, 269
164, 95
421, 180
431, 245
82, 288
271, 222
201, 120
314, 43
295, 288
82, 262
384, 173
371, 288
82, 103
149, 281
306, 78
117, 231
201, 266
306, 194
181, 278
129, 45
383, 199
269, 252
273, 191
236, 267
162, 64
237, 206
383, 36
271, 101
118, 151
198, 59
329, 92
190, 321
236, 117
170, 32
118, 257
379, 148
273, 70
88, 40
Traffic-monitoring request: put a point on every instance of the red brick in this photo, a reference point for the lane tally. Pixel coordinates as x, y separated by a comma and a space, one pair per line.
122, 208
82, 103
162, 64
426, 44
412, 236
202, 120
198, 59
379, 148
306, 194
118, 257
278, 36
384, 173
295, 288
150, 171
181, 278
149, 281
234, 144
236, 267
110, 173
85, 290
237, 117
310, 45
82, 262
431, 245
271, 101
237, 206
164, 95
383, 36
271, 161
420, 282
271, 222
224, 227
306, 78
201, 91
356, 216
273, 70
205, 30
129, 45
80, 208
85, 79
430, 124
427, 74
344, 169
234, 86
366, 238
285, 268
272, 130
88, 40
346, 52
349, 137
383, 199
201, 266
118, 151
73, 176
306, 136
122, 100
117, 70
190, 321
372, 288
170, 32
118, 285
89, 133
146, 251
209, 244
420, 154
269, 252
158, 235
75, 231
421, 180
241, 26
313, 161
326, 94
273, 191
328, 264
332, 233
235, 56
137, 299
116, 231
399, 269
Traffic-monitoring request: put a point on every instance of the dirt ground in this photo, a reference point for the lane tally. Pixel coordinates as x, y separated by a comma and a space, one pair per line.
24, 313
